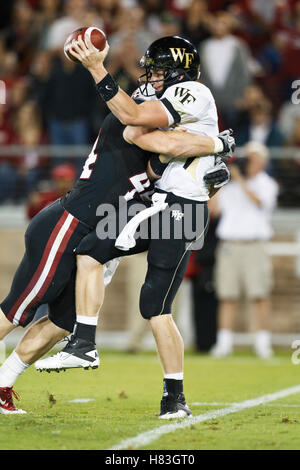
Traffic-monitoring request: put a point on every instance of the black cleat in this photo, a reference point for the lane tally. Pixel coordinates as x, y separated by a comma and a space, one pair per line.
171, 407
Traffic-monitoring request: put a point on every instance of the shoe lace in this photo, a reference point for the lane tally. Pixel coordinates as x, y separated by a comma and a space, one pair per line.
15, 394
12, 393
67, 339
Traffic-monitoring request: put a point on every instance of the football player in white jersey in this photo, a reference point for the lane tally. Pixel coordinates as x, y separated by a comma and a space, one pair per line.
173, 404
172, 67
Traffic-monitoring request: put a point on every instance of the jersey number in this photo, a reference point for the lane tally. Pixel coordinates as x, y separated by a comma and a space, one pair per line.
140, 183
87, 171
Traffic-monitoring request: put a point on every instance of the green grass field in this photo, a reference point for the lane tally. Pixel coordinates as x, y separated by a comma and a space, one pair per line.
126, 391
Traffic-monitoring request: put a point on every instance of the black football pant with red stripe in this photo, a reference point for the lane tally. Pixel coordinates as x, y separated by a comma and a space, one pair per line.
47, 272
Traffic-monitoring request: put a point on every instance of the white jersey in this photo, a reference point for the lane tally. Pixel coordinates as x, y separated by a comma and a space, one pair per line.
197, 111
190, 105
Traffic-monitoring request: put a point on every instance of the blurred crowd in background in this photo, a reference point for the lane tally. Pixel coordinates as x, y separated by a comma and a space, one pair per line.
250, 59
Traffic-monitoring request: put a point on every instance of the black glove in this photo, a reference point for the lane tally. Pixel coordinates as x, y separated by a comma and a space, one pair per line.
228, 142
219, 175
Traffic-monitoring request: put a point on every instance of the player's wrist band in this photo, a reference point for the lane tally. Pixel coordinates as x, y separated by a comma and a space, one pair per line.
157, 166
107, 87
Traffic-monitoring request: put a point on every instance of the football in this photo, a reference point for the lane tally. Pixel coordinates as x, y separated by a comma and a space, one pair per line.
96, 35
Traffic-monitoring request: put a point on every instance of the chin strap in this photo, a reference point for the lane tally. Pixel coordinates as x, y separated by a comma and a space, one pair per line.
168, 81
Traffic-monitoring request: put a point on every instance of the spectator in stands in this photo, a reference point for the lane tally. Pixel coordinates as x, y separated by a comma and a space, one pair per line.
196, 23
39, 75
68, 98
290, 69
153, 10
127, 46
131, 23
22, 35
294, 140
243, 266
170, 25
48, 13
108, 11
124, 64
29, 133
261, 127
9, 67
289, 113
259, 19
178, 8
74, 11
225, 66
252, 96
8, 174
17, 95
62, 180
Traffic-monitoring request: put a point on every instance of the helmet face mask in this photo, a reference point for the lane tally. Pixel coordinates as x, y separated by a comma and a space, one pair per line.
170, 77
176, 57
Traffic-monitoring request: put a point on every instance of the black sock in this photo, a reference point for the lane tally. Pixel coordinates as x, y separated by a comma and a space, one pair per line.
173, 387
86, 332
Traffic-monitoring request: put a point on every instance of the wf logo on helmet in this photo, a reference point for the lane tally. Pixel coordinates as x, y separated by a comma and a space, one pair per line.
180, 54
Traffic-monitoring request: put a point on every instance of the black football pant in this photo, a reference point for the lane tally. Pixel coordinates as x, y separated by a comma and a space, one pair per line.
175, 229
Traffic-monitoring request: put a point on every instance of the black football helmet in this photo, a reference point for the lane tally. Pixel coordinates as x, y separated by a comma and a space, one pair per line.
176, 56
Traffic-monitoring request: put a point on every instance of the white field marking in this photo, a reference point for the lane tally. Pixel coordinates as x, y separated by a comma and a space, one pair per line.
81, 400
214, 403
145, 438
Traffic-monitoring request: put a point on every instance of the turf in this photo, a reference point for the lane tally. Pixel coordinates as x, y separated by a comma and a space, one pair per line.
126, 391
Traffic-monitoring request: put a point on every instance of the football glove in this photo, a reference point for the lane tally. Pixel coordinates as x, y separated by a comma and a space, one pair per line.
228, 143
219, 175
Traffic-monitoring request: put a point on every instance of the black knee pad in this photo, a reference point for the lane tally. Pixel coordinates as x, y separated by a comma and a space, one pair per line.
150, 301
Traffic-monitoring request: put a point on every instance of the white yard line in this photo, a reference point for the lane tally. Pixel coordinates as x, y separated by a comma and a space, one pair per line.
145, 438
215, 403
81, 400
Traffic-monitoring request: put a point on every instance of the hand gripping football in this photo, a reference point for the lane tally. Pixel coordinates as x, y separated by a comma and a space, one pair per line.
96, 35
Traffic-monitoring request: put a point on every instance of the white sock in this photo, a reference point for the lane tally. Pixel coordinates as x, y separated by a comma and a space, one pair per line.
87, 320
177, 376
225, 338
11, 369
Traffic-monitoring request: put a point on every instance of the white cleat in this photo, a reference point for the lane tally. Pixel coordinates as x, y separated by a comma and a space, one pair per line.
77, 354
175, 415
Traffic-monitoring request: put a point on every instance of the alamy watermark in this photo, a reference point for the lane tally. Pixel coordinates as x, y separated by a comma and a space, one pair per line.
296, 354
176, 222
296, 95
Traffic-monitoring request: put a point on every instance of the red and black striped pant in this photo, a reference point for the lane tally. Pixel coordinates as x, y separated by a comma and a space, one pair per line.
47, 271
